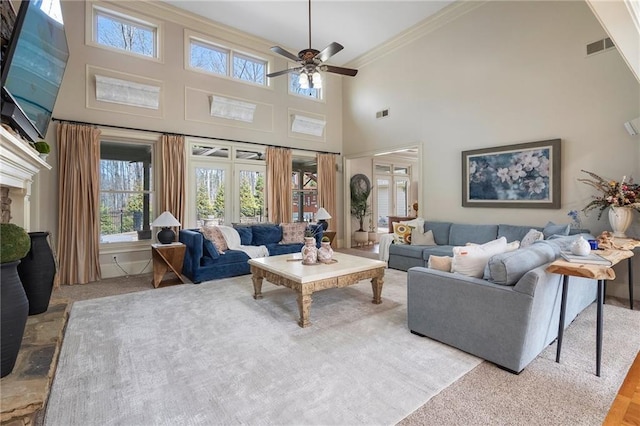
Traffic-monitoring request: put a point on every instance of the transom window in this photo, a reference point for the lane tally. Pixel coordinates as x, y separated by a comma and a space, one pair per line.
295, 89
219, 60
118, 31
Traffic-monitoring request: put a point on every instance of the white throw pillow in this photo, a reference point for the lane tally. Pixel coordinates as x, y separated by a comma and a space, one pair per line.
440, 263
531, 237
471, 260
512, 246
420, 239
417, 223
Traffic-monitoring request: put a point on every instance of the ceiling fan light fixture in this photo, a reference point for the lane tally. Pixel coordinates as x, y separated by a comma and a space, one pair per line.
303, 80
316, 79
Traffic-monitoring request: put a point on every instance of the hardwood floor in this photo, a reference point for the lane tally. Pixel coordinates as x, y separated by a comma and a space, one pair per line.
625, 409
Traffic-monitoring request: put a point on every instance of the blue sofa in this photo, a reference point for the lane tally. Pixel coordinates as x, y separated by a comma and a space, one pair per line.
447, 235
202, 262
509, 317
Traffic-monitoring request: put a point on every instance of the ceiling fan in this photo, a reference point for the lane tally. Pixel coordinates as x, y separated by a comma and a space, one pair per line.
311, 61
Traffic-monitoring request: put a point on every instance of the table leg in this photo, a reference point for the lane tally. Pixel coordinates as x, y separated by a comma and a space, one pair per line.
599, 326
630, 264
563, 307
304, 306
257, 285
376, 286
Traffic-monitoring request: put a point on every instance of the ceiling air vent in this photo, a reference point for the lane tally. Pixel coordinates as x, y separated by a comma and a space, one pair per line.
600, 46
382, 114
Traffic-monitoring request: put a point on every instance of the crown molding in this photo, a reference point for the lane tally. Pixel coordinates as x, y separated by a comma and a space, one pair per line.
440, 19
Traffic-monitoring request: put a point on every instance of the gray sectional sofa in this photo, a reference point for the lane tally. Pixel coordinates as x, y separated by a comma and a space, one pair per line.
510, 315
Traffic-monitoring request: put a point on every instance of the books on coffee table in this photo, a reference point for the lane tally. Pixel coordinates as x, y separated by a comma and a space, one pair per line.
591, 259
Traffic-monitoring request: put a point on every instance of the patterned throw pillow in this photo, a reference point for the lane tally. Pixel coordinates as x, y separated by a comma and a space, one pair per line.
402, 233
214, 234
531, 237
293, 233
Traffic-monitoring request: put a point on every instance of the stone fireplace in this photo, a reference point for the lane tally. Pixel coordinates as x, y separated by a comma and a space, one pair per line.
18, 164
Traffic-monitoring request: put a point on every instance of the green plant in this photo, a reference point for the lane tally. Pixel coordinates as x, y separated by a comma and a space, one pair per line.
42, 147
325, 239
14, 242
360, 189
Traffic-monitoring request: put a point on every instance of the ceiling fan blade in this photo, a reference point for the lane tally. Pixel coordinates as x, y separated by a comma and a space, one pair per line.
287, 71
285, 53
339, 70
329, 51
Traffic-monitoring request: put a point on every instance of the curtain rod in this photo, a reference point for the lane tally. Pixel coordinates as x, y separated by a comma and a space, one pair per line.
191, 136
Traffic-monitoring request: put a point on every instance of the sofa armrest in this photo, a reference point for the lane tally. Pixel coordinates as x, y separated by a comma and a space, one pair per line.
193, 255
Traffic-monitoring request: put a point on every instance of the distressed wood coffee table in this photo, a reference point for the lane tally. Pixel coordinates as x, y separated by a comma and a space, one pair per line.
287, 271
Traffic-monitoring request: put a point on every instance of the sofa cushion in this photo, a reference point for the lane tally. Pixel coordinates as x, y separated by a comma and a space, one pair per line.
406, 250
532, 236
436, 251
507, 268
276, 249
401, 233
552, 229
514, 232
209, 249
419, 238
266, 234
214, 234
471, 260
440, 231
293, 233
246, 235
461, 234
229, 256
440, 263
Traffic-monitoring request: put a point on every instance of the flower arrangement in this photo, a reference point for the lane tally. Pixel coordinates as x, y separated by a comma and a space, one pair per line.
575, 216
613, 193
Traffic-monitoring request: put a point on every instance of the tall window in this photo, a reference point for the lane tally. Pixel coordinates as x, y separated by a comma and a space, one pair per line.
125, 191
118, 31
219, 60
304, 184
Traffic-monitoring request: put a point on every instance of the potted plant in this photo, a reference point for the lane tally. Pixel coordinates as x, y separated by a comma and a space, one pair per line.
360, 190
43, 149
14, 306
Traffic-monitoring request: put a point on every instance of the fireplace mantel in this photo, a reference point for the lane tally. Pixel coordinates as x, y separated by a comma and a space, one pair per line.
18, 164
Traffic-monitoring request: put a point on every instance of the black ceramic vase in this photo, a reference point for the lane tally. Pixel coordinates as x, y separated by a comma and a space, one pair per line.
14, 308
37, 270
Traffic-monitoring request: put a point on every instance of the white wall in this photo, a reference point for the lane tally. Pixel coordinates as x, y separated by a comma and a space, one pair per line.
505, 72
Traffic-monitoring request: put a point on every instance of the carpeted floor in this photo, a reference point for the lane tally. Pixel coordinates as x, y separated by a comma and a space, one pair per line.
545, 393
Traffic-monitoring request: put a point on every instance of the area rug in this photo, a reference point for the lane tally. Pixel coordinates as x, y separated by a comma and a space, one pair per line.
211, 354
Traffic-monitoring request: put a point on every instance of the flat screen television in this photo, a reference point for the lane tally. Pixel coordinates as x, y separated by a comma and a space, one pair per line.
33, 66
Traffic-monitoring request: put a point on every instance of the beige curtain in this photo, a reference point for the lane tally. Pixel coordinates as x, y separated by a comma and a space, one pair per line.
327, 189
172, 183
78, 245
279, 196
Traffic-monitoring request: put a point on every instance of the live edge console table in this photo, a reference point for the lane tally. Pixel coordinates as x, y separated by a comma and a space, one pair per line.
597, 272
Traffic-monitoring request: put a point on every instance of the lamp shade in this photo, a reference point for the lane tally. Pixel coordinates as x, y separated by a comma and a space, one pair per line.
322, 214
165, 219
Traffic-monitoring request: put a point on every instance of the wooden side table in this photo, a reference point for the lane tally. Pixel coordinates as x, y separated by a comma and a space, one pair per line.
167, 258
598, 272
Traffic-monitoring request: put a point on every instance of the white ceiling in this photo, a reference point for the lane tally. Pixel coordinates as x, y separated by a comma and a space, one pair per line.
359, 25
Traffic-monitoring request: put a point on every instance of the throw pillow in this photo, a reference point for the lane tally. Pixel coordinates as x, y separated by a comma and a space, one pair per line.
471, 260
552, 229
213, 234
513, 245
420, 239
417, 223
210, 249
402, 233
293, 233
531, 237
440, 263
246, 235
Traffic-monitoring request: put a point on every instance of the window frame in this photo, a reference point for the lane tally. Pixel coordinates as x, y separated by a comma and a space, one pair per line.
115, 12
124, 137
233, 51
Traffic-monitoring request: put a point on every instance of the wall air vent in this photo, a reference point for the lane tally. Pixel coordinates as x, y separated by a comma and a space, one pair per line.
382, 114
600, 46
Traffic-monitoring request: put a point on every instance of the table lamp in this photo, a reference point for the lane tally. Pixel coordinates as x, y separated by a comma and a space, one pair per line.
165, 221
322, 216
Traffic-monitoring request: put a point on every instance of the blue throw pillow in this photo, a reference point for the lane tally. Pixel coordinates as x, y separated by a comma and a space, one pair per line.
246, 235
552, 229
210, 249
263, 235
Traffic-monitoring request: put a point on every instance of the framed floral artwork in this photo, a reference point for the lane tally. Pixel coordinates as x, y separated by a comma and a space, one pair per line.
525, 175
